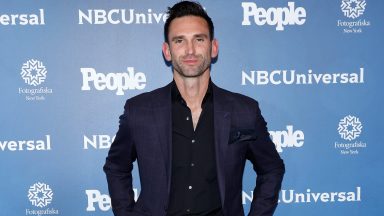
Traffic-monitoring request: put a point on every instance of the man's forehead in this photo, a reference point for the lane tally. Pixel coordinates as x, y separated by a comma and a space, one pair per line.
188, 23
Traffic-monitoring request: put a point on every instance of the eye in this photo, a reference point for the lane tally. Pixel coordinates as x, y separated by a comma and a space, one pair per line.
200, 39
179, 40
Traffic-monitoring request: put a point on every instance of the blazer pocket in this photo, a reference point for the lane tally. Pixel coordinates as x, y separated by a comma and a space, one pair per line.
242, 135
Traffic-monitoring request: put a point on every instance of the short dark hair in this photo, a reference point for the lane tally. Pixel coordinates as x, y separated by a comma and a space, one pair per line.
187, 8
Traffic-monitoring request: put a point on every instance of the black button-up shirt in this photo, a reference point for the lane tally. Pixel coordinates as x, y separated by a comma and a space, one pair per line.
194, 186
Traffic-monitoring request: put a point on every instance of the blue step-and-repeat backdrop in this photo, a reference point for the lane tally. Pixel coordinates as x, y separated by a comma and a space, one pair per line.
315, 67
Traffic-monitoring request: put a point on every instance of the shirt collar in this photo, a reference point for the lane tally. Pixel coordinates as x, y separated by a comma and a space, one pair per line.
176, 96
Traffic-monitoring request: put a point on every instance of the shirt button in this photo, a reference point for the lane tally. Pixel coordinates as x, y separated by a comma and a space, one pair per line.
187, 118
190, 187
193, 141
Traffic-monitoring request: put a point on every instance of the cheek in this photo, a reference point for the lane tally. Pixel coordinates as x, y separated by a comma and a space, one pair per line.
176, 50
207, 53
206, 49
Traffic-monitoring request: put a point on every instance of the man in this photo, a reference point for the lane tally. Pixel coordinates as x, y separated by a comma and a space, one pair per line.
191, 139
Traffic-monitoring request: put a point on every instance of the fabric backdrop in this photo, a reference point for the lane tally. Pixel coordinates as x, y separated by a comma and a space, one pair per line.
67, 68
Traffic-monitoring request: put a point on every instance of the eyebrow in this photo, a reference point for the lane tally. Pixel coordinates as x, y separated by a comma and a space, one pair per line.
202, 35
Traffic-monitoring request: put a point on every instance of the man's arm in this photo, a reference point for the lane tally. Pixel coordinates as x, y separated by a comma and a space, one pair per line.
118, 168
269, 168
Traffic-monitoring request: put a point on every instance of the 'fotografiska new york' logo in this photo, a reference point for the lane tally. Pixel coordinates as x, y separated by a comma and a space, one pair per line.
40, 195
350, 128
34, 74
353, 9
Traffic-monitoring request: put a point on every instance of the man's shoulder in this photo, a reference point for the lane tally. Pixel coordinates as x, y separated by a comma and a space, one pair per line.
146, 98
235, 97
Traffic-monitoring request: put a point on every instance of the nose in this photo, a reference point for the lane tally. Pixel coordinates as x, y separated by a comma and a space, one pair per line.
190, 48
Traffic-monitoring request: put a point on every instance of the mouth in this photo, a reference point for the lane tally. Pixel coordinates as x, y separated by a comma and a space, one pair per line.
190, 61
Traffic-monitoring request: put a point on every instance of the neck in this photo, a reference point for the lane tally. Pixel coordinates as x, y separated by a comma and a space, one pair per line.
192, 89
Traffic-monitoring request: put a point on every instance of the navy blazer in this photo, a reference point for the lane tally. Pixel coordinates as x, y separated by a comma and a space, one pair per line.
145, 135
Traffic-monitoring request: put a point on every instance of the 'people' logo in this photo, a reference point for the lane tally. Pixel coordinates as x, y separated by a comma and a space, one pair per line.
113, 81
274, 16
33, 72
40, 194
350, 127
287, 138
353, 8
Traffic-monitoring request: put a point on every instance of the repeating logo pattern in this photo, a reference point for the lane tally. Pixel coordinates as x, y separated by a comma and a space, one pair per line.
353, 8
350, 127
33, 72
40, 194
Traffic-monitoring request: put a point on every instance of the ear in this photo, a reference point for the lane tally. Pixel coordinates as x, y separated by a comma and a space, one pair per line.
215, 48
167, 51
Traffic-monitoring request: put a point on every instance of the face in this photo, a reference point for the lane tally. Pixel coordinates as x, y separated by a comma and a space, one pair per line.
190, 49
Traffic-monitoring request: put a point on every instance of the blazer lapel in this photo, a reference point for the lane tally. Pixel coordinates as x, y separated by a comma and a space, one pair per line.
163, 121
222, 123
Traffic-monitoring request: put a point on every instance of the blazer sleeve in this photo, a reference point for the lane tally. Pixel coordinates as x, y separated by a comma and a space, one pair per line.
118, 167
269, 168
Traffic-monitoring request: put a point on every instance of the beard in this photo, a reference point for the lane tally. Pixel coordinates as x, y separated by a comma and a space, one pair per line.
190, 71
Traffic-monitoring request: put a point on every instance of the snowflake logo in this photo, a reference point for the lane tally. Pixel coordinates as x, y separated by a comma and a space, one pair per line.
350, 127
353, 8
33, 72
40, 195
